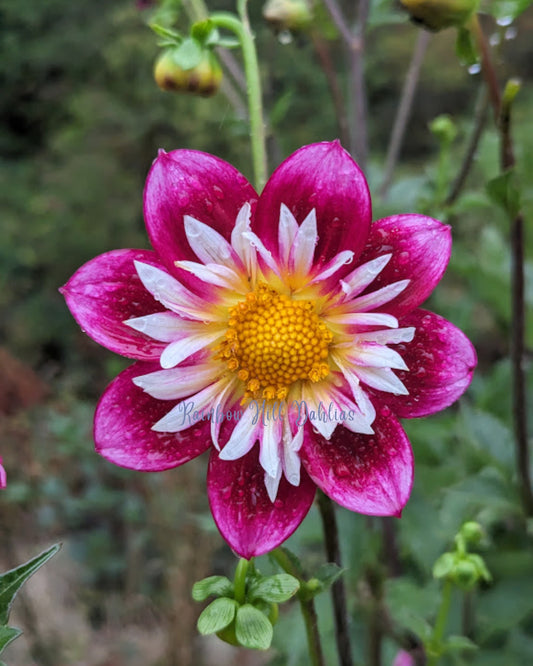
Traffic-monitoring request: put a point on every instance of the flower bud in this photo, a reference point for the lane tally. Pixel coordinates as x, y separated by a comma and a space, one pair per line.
202, 79
438, 14
293, 15
472, 532
465, 574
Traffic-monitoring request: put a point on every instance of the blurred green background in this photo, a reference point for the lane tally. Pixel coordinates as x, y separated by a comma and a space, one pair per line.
81, 121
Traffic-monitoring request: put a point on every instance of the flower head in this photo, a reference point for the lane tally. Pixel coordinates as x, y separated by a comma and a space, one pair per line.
280, 331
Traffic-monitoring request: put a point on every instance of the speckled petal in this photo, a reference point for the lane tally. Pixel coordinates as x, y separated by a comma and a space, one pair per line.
105, 292
243, 512
123, 427
370, 474
323, 177
420, 248
441, 362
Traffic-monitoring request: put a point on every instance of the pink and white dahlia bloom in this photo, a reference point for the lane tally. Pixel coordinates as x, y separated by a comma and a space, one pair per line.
282, 332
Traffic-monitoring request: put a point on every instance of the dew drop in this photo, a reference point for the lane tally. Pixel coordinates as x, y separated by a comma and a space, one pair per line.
385, 411
240, 493
226, 493
209, 205
495, 39
218, 192
241, 481
279, 504
403, 258
285, 37
510, 33
475, 68
504, 21
342, 470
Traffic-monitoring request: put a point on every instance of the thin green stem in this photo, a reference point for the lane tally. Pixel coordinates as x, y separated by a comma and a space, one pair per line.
440, 623
239, 580
241, 28
307, 607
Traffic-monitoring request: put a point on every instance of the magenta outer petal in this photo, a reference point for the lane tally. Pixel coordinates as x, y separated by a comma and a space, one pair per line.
420, 247
105, 292
370, 474
3, 478
189, 182
441, 362
123, 421
243, 512
322, 176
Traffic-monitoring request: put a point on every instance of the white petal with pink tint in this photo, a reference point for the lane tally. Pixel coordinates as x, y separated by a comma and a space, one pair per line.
163, 326
387, 337
382, 379
245, 251
265, 254
378, 298
291, 445
378, 356
303, 247
364, 319
244, 436
288, 228
343, 258
272, 484
359, 279
178, 351
190, 411
207, 244
177, 382
269, 455
173, 295
216, 274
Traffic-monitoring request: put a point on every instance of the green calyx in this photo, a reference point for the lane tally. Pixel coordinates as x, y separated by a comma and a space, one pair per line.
188, 68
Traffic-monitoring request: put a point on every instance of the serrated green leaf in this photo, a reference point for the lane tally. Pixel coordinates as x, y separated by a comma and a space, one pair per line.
11, 581
218, 586
275, 589
8, 634
217, 616
252, 628
503, 191
458, 644
188, 54
465, 47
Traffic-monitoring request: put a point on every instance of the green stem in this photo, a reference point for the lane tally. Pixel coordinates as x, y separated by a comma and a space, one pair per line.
307, 607
240, 580
241, 28
440, 624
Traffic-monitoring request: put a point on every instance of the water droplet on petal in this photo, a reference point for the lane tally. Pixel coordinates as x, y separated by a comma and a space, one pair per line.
285, 37
218, 192
342, 470
403, 258
475, 68
279, 504
385, 411
209, 205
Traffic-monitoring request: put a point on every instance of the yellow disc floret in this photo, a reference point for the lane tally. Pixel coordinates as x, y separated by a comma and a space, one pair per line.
273, 341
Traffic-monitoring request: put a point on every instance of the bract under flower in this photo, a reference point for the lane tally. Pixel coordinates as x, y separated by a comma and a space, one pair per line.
283, 332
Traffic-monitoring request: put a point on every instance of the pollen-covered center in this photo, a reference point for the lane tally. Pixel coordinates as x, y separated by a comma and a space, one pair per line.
273, 341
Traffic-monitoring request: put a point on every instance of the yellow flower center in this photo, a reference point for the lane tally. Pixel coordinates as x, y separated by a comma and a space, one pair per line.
273, 341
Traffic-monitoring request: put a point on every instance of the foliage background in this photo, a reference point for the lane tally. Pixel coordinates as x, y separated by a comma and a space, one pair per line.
81, 120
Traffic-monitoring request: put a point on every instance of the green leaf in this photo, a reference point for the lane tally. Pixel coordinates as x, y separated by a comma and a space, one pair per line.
275, 589
505, 11
166, 33
444, 565
458, 644
218, 586
253, 629
465, 47
504, 191
188, 54
12, 581
8, 634
328, 573
217, 616
201, 30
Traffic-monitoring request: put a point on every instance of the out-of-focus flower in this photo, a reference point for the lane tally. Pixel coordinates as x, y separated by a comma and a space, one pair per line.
2, 475
203, 79
294, 15
282, 332
403, 658
439, 14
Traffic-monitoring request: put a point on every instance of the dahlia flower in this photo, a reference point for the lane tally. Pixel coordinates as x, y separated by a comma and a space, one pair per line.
282, 332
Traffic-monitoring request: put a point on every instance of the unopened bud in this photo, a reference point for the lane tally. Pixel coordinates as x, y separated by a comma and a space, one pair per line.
443, 128
439, 14
202, 79
293, 15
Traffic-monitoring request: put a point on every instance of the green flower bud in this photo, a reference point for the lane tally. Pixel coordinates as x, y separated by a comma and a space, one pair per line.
228, 635
293, 15
471, 532
465, 574
202, 79
443, 128
438, 14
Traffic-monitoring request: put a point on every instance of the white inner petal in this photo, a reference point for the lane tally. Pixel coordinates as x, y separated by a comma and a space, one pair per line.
378, 298
242, 245
178, 351
177, 382
288, 228
243, 437
354, 283
303, 247
377, 356
163, 326
382, 379
207, 244
387, 337
341, 259
365, 319
216, 274
265, 254
269, 455
190, 411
